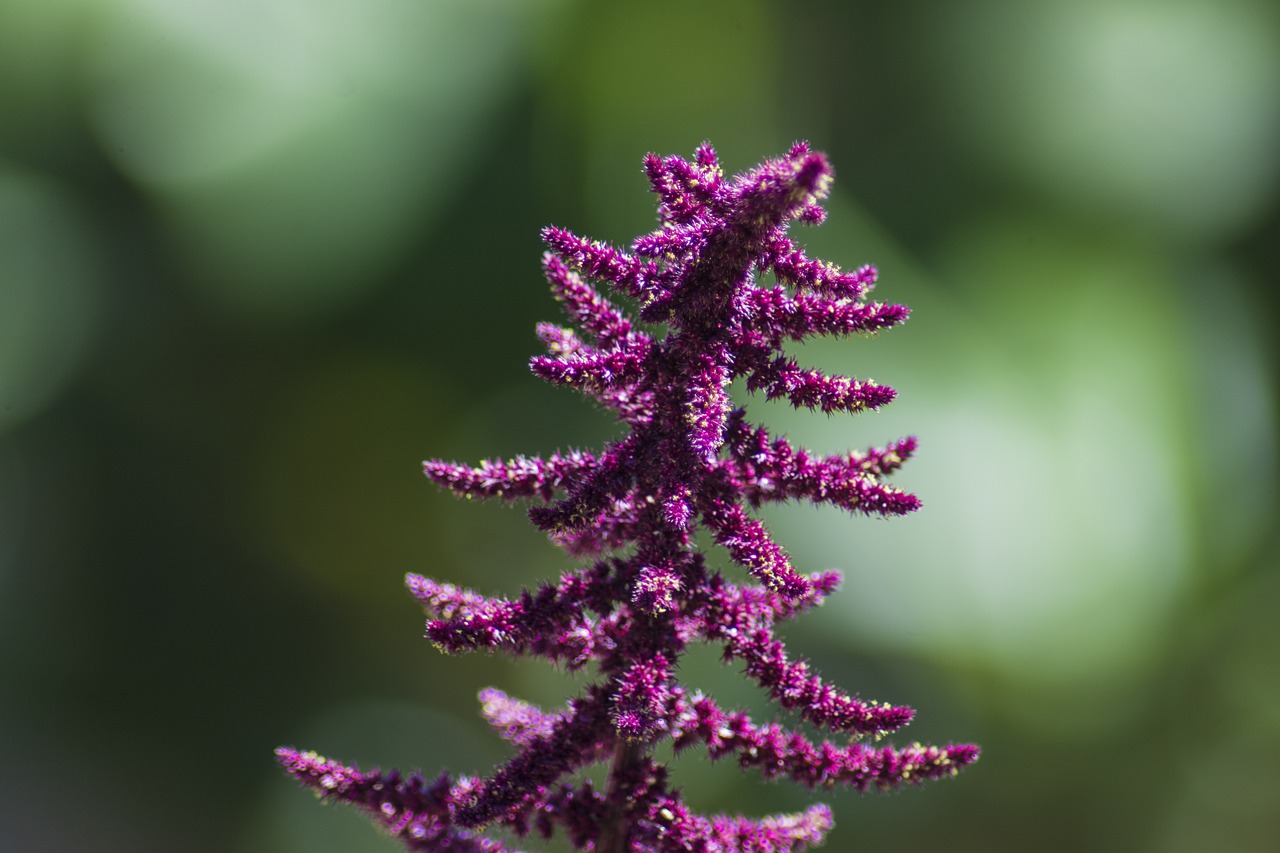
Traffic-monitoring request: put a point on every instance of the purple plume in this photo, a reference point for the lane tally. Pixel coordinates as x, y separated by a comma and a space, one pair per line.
690, 459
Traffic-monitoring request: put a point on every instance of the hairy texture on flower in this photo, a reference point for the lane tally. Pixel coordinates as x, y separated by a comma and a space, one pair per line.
579, 738
731, 289
641, 700
749, 544
791, 266
517, 721
632, 276
418, 813
552, 622
775, 752
614, 528
766, 469
514, 479
813, 389
608, 481
656, 819
423, 816
745, 632
807, 315
590, 311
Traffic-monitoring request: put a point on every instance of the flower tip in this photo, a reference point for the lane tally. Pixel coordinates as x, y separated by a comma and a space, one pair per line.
887, 718
813, 214
794, 587
814, 175
300, 764
825, 583
552, 265
706, 157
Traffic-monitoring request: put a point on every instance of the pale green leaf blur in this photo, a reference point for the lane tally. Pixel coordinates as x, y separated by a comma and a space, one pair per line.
259, 259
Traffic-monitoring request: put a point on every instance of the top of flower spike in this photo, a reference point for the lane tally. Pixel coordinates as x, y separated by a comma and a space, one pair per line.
700, 210
791, 185
692, 194
698, 274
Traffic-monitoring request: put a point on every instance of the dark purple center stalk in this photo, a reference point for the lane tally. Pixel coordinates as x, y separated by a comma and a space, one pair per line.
645, 590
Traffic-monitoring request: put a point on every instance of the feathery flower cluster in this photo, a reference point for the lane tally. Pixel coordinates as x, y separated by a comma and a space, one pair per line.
645, 592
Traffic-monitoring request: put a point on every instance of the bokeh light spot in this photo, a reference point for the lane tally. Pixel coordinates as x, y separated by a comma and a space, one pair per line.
295, 150
50, 282
336, 494
1156, 116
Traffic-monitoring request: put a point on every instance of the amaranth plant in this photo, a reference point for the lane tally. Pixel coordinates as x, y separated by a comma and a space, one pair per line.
645, 590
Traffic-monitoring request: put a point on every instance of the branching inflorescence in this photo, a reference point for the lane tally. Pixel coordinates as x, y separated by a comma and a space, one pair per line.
644, 591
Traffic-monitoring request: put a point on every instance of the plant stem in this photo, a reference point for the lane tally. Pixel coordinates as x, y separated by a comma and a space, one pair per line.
614, 833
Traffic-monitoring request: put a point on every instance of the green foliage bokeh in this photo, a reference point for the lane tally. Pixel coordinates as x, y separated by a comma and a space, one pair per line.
257, 260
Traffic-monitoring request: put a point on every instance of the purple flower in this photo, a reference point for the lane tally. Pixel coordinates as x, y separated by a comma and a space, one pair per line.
689, 460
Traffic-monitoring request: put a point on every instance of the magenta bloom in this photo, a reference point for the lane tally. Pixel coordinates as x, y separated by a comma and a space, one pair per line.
690, 460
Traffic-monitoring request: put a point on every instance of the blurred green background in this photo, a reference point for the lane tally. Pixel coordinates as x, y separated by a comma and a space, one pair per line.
259, 258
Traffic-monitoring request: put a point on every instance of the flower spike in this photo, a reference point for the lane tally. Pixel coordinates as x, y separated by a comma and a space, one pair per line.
688, 460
